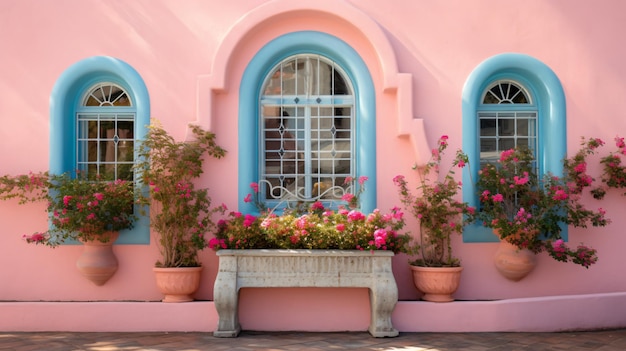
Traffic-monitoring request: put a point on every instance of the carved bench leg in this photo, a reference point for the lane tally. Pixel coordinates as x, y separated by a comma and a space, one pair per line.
226, 299
383, 299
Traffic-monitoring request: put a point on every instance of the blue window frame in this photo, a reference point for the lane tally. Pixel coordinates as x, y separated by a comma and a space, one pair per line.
109, 97
359, 101
539, 121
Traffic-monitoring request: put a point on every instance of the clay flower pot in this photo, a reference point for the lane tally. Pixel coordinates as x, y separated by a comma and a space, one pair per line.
437, 283
177, 283
512, 262
97, 261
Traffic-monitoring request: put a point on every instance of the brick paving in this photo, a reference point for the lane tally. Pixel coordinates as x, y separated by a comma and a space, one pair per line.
606, 340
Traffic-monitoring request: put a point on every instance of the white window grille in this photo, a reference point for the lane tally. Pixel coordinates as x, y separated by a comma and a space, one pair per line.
307, 138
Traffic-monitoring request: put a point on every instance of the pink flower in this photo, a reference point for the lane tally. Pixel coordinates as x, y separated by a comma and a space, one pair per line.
581, 167
91, 216
347, 197
348, 180
248, 198
340, 227
380, 237
34, 238
398, 180
214, 242
560, 195
521, 181
461, 164
497, 198
67, 199
98, 196
248, 220
317, 205
558, 246
255, 187
362, 180
506, 154
355, 216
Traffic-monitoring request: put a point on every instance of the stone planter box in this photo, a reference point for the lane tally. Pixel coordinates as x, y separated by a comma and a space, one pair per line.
305, 268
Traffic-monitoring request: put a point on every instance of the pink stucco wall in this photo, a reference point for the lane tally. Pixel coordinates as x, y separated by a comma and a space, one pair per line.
192, 54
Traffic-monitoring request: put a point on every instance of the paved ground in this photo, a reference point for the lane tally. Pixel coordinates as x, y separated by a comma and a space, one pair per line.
608, 340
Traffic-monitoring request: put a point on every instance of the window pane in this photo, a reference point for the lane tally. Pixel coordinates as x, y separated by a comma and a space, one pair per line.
506, 144
506, 127
522, 127
487, 127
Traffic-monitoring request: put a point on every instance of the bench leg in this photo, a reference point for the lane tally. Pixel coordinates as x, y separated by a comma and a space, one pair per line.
383, 299
226, 299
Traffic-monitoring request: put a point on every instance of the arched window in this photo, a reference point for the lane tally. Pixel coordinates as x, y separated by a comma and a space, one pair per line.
307, 131
307, 110
511, 100
105, 132
99, 108
507, 119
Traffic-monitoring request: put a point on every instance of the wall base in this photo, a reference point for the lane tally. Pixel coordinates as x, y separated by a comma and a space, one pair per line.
541, 314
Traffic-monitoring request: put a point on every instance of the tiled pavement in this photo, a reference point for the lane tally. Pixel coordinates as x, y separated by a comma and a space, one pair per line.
607, 340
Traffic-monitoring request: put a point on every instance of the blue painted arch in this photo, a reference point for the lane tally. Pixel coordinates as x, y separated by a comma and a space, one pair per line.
549, 97
268, 57
65, 101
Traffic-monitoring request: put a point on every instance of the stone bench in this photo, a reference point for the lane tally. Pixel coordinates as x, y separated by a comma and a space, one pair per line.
305, 268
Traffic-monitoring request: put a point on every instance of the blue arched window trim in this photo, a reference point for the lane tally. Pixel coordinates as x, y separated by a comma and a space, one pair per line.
365, 103
550, 103
66, 99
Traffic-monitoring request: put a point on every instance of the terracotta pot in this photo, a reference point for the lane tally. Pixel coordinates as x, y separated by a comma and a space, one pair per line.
97, 261
178, 284
437, 283
512, 262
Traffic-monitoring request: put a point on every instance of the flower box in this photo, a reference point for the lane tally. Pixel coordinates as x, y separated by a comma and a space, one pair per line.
306, 268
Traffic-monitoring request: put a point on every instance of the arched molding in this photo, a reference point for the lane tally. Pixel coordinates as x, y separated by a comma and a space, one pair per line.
393, 82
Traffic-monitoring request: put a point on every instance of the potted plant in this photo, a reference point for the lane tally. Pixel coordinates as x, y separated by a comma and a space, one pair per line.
436, 271
527, 211
90, 210
180, 213
311, 245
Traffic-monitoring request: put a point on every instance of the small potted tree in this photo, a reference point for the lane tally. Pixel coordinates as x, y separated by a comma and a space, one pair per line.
180, 213
436, 271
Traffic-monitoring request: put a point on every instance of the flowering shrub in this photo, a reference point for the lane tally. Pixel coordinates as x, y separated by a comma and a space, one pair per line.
613, 170
78, 208
528, 211
180, 213
317, 228
439, 213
